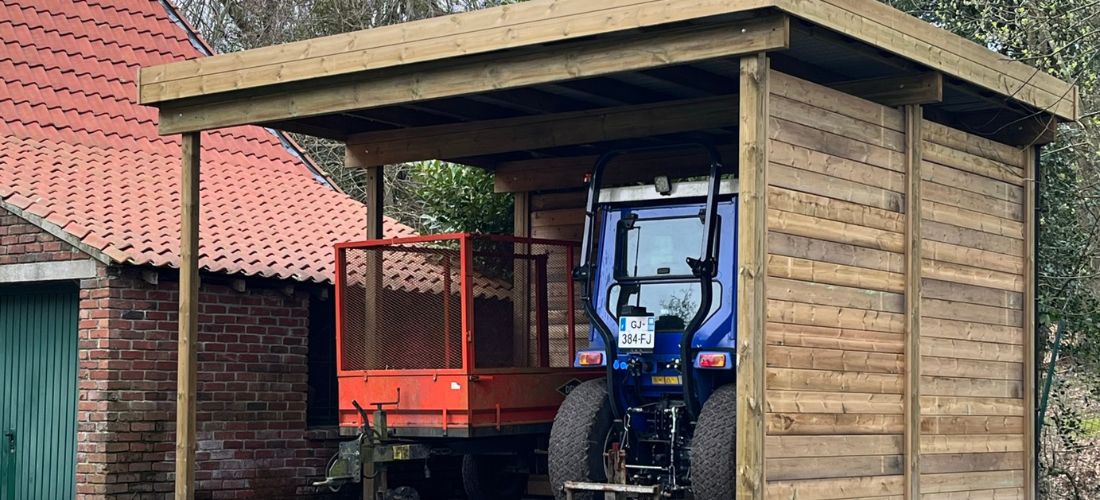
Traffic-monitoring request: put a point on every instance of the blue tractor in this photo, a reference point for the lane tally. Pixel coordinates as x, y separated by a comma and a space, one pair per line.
658, 280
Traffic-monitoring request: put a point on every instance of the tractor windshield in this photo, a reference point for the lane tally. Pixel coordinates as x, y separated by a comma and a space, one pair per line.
672, 303
652, 271
657, 248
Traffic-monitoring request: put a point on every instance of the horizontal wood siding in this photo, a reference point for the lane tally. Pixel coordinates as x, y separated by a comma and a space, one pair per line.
835, 373
559, 216
972, 315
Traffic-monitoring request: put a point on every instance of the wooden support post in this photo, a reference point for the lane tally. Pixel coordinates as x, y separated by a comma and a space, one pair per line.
540, 310
187, 360
1031, 437
521, 296
375, 202
912, 299
751, 297
372, 262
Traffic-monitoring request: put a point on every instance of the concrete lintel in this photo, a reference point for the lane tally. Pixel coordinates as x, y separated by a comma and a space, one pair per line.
48, 271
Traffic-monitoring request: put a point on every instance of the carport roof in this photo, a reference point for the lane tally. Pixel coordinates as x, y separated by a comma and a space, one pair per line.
540, 23
611, 74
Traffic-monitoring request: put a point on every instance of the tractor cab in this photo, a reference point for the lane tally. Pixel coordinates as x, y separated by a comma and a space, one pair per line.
647, 290
658, 275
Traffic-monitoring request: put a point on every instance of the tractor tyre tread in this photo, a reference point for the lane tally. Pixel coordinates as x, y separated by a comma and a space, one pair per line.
577, 437
714, 448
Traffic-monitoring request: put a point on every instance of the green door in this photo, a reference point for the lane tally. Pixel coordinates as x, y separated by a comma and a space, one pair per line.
38, 343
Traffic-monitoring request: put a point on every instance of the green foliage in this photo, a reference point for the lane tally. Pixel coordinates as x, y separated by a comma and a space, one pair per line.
457, 198
1091, 426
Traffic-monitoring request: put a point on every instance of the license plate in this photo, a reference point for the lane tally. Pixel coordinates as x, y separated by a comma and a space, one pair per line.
637, 333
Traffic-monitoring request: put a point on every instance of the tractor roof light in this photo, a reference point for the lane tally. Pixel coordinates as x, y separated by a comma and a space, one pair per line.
589, 358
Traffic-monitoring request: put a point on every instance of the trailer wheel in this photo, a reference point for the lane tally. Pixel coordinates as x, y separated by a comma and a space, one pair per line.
578, 438
714, 448
483, 478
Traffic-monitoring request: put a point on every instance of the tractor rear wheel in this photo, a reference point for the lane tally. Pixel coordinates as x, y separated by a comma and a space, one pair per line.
485, 477
714, 447
578, 438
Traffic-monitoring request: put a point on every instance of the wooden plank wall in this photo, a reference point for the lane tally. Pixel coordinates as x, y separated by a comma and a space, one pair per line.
972, 316
836, 323
837, 329
560, 216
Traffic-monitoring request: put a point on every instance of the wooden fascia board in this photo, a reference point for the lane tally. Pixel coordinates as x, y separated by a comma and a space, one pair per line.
541, 131
506, 27
880, 25
901, 90
486, 73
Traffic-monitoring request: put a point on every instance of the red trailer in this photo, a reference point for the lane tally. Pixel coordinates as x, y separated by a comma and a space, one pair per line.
456, 345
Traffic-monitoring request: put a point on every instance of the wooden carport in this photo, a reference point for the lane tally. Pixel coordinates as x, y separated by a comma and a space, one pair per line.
534, 91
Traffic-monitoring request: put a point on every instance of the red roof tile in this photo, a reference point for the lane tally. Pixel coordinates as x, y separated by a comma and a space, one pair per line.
77, 150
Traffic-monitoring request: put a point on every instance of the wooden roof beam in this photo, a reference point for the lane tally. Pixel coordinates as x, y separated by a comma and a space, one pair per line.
901, 90
483, 74
1001, 125
569, 172
542, 131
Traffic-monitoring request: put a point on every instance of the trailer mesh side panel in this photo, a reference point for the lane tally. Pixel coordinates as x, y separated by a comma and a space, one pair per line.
401, 304
401, 308
522, 310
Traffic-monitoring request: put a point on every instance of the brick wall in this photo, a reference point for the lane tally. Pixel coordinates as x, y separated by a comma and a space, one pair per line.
252, 435
22, 242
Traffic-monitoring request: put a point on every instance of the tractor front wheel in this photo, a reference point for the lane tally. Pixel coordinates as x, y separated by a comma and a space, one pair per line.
714, 447
579, 438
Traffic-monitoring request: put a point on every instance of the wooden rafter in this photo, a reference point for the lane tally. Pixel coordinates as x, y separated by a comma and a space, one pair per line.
919, 88
542, 131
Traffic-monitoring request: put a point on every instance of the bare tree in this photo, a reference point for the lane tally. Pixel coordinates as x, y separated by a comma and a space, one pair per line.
233, 25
